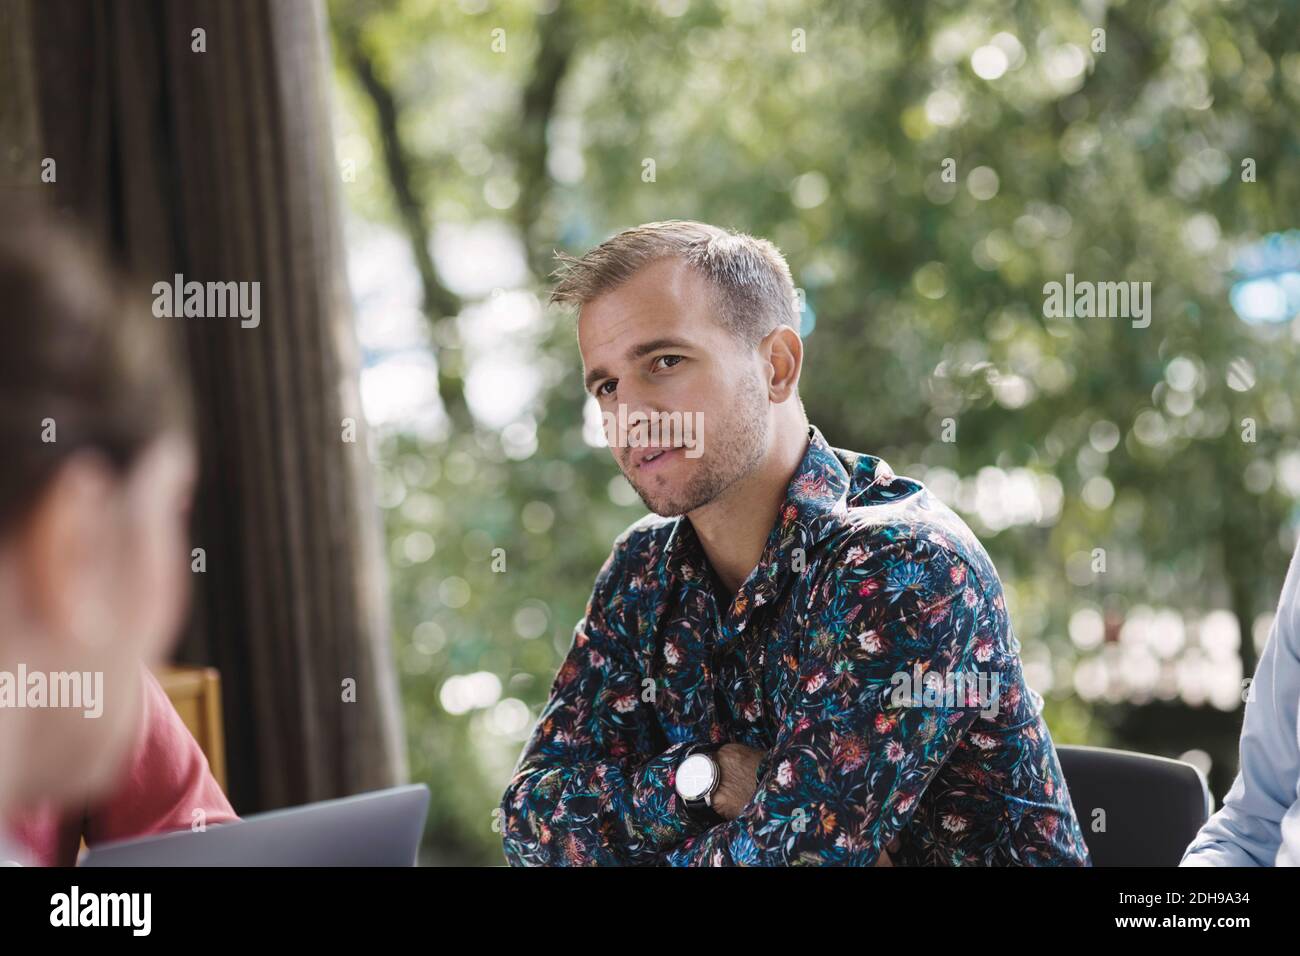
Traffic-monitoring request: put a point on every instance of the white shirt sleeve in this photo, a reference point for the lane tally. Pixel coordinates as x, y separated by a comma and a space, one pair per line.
1259, 822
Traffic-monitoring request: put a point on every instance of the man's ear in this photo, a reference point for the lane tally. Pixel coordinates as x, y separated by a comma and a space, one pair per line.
62, 550
783, 350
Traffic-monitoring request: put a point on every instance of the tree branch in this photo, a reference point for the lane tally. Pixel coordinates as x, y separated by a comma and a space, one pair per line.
440, 304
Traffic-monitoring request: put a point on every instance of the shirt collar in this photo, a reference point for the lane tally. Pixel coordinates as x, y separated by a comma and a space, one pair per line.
813, 507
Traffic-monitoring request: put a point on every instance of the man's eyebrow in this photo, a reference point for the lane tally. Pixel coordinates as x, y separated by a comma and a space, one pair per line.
654, 345
635, 352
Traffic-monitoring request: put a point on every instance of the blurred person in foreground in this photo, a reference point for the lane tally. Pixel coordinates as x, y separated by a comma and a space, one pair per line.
790, 661
1259, 822
98, 472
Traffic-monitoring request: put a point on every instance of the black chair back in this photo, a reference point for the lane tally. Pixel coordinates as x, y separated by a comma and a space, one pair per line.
1153, 806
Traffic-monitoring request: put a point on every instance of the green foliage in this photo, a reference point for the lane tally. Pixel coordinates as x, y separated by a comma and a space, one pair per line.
928, 303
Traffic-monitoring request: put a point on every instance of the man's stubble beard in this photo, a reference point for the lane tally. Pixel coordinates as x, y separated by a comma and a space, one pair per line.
738, 447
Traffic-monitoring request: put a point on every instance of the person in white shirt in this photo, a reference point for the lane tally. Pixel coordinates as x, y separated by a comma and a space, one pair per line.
1259, 822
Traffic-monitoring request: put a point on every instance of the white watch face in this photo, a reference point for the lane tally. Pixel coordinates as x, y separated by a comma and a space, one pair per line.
695, 776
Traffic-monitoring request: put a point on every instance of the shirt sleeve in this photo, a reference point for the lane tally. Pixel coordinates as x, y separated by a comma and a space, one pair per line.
1262, 804
849, 766
595, 783
166, 782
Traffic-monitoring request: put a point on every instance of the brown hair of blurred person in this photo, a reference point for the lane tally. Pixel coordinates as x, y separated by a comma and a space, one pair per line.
98, 470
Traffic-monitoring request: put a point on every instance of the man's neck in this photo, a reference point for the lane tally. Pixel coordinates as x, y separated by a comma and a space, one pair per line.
734, 527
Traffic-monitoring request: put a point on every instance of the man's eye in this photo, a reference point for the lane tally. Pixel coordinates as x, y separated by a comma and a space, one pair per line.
671, 360
600, 389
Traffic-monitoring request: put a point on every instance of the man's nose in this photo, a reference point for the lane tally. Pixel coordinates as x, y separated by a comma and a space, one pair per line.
634, 418
634, 395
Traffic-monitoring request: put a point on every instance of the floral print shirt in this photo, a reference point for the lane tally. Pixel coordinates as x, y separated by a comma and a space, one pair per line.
871, 597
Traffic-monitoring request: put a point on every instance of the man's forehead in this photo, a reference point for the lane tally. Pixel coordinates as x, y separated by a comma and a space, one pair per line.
666, 299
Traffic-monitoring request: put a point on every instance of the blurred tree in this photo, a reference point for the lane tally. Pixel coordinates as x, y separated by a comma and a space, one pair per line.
439, 303
927, 169
193, 143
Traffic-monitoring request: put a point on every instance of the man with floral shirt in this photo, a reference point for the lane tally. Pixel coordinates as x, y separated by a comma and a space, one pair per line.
800, 658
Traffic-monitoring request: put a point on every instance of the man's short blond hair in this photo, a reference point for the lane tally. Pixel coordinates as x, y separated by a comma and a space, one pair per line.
754, 290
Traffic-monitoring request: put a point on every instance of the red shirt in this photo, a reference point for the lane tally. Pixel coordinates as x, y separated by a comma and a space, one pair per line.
167, 780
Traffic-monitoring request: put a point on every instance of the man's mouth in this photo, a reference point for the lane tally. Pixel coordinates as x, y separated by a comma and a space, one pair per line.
652, 455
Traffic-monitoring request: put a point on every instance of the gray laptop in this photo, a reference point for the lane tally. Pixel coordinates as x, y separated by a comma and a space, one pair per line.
381, 828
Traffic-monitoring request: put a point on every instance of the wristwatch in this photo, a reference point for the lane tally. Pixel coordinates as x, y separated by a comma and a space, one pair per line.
698, 776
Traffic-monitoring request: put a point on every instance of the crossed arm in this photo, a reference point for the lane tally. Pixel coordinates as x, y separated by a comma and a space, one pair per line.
840, 782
